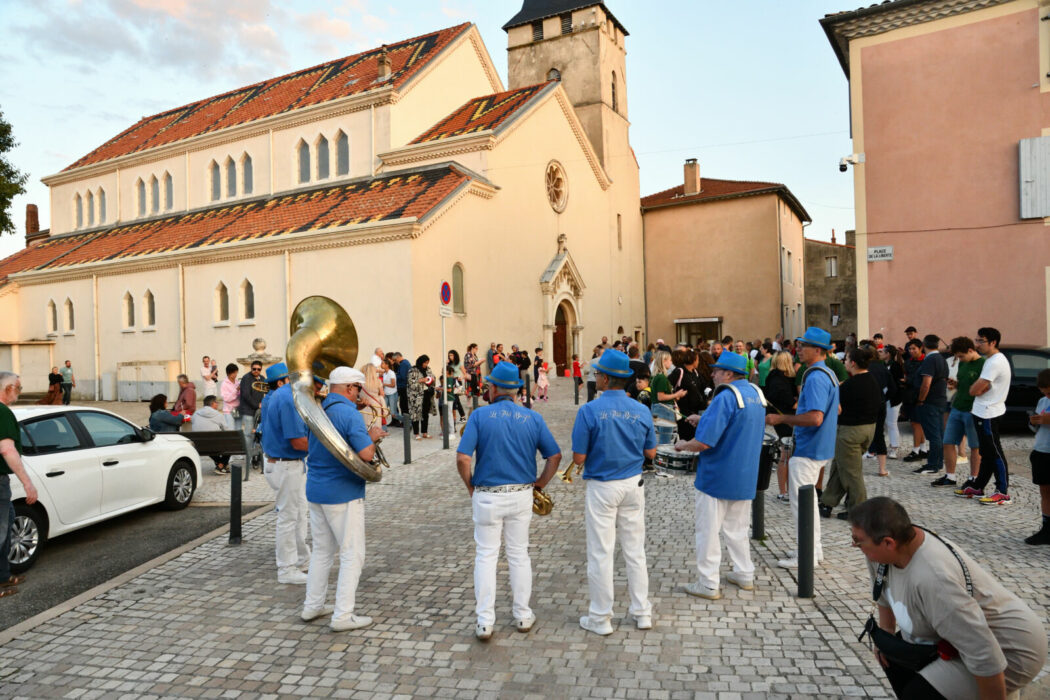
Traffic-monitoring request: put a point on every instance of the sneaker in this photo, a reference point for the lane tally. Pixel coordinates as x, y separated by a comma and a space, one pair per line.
996, 499
483, 632
843, 515
309, 614
891, 453
603, 627
784, 498
943, 481
525, 624
969, 492
914, 456
643, 622
1041, 537
792, 562
292, 576
701, 591
793, 554
825, 511
869, 455
741, 581
354, 622
927, 469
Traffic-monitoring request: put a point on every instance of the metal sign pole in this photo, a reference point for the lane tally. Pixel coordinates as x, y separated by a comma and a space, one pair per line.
444, 387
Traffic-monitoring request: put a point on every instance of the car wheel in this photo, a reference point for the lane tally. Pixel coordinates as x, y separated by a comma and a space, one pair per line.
28, 535
181, 484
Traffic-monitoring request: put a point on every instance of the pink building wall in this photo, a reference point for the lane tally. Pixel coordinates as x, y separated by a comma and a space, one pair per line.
942, 116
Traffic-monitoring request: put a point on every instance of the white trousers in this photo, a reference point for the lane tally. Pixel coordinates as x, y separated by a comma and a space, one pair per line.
732, 518
893, 433
338, 529
509, 514
616, 508
803, 471
288, 479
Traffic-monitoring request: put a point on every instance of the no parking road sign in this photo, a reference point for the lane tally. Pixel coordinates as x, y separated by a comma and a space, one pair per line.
446, 300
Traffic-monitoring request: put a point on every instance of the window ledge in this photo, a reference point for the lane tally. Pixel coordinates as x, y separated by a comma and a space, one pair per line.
149, 329
459, 314
221, 324
67, 333
52, 334
127, 330
250, 322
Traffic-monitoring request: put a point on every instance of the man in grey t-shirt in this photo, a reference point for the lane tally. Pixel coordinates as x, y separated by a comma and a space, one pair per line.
996, 643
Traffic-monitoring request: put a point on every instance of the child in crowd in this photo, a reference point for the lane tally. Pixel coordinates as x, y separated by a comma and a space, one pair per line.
645, 394
1040, 456
542, 383
577, 370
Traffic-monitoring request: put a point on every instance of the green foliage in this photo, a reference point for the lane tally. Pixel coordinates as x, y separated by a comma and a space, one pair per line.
12, 180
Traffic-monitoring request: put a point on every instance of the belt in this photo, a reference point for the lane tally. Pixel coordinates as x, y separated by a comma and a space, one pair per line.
504, 488
271, 460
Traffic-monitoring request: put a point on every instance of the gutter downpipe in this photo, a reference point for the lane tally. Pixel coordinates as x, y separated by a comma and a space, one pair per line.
98, 356
182, 317
645, 290
780, 266
804, 225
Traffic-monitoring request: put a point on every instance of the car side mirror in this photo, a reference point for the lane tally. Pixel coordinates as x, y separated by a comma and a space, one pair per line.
146, 434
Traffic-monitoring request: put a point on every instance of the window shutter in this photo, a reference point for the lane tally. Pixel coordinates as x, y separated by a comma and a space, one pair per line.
1034, 159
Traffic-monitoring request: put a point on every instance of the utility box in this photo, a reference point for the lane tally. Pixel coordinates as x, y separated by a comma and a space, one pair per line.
141, 381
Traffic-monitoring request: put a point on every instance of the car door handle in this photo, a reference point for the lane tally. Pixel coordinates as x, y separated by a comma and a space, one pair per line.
50, 474
110, 463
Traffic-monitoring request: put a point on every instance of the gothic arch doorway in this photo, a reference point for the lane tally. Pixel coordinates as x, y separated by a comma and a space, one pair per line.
564, 322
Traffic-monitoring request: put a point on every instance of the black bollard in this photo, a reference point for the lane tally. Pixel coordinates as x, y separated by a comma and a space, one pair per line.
235, 504
806, 508
406, 433
474, 401
758, 516
445, 415
576, 390
528, 390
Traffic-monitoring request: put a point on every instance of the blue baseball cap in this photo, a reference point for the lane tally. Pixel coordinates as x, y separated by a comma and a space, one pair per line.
732, 362
817, 337
276, 372
505, 375
614, 363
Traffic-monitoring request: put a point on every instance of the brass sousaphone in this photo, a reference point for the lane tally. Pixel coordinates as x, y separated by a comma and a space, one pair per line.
322, 338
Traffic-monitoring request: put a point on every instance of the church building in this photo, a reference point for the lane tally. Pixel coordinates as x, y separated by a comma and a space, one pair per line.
370, 179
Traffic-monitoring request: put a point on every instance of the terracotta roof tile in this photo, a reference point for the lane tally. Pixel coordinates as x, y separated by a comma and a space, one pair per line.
714, 190
483, 113
340, 78
403, 195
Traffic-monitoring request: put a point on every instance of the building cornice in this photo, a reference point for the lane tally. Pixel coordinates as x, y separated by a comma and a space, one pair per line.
780, 191
442, 148
843, 27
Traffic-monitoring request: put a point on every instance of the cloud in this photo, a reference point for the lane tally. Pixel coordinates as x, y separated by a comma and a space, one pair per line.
452, 12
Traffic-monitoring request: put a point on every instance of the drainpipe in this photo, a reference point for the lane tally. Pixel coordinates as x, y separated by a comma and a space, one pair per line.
804, 225
287, 289
98, 354
182, 317
372, 139
645, 281
780, 266
271, 161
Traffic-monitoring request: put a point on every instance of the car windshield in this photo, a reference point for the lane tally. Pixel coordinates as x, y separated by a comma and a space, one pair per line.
107, 430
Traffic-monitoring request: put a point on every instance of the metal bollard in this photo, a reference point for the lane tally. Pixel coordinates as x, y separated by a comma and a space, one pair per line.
445, 415
528, 390
406, 433
807, 496
235, 504
576, 391
474, 401
758, 516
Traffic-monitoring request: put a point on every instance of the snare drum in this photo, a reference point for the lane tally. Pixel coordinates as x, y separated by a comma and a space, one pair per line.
670, 461
770, 454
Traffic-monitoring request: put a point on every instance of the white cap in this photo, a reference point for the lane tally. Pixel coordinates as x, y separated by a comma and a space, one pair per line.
346, 375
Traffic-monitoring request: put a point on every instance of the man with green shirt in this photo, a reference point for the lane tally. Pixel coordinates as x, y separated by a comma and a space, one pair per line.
960, 419
833, 363
68, 382
765, 362
11, 452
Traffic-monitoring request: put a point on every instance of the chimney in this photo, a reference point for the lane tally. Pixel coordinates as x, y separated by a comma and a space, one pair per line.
692, 176
33, 233
384, 65
851, 238
832, 235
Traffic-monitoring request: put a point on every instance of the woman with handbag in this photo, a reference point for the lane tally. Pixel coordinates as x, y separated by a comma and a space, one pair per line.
962, 634
420, 396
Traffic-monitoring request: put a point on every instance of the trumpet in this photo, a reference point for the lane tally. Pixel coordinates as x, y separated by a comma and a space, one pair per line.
542, 504
566, 475
261, 387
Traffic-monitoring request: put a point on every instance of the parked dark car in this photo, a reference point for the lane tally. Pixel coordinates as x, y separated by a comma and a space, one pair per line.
1026, 362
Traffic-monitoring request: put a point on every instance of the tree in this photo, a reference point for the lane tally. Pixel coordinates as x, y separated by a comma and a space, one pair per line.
12, 180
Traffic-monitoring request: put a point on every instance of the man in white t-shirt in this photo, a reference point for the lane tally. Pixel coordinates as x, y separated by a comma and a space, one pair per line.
390, 393
377, 358
989, 405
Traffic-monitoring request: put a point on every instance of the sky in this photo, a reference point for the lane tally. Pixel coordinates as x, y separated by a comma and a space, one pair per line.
751, 88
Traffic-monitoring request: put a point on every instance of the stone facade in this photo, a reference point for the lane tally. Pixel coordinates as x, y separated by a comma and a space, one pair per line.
831, 286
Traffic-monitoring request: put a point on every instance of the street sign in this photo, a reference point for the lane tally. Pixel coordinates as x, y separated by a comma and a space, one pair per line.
446, 294
879, 253
445, 311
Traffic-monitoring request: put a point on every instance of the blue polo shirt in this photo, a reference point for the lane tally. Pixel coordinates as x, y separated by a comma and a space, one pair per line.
506, 437
327, 480
613, 430
403, 369
729, 469
819, 393
281, 423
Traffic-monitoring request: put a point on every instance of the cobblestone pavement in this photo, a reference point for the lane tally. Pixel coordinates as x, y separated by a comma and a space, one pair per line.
214, 623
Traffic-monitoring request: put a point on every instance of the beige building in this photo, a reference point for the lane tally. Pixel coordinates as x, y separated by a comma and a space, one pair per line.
370, 179
831, 286
723, 257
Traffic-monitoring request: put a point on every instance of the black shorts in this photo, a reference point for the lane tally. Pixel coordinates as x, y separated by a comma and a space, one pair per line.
1040, 467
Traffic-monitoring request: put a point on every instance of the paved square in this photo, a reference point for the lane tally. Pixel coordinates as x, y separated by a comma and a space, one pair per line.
214, 623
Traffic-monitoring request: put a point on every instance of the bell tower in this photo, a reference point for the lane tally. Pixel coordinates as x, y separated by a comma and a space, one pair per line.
584, 46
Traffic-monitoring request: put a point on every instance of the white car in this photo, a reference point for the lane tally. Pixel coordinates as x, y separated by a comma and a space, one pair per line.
89, 465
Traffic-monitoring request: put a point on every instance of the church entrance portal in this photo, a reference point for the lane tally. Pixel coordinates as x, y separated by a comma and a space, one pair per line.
562, 343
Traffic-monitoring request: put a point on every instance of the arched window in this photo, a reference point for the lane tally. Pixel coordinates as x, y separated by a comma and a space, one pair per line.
247, 301
322, 158
342, 154
231, 177
78, 209
222, 303
554, 74
247, 175
614, 101
129, 310
457, 289
154, 195
150, 308
140, 193
304, 161
68, 314
101, 205
90, 202
216, 182
169, 192
52, 317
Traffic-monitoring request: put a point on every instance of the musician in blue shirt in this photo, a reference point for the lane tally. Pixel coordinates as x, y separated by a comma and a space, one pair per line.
337, 506
816, 424
614, 435
284, 451
729, 440
505, 437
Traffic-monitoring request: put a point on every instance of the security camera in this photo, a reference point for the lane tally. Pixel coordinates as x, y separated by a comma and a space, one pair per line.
849, 160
